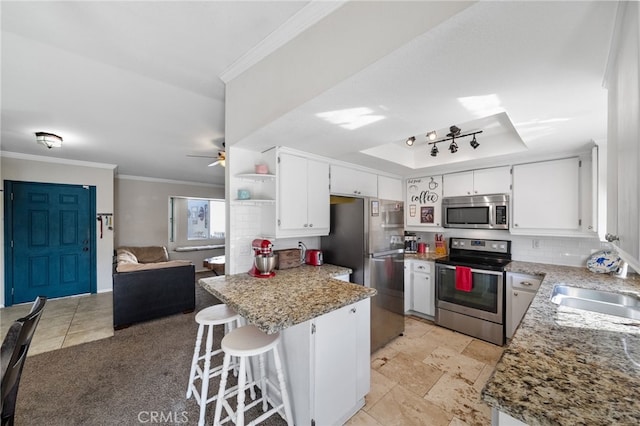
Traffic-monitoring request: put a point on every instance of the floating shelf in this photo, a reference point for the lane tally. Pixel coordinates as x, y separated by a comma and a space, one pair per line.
256, 176
253, 202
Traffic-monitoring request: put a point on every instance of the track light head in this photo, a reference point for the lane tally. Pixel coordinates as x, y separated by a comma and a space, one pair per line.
434, 151
474, 143
432, 135
411, 141
453, 147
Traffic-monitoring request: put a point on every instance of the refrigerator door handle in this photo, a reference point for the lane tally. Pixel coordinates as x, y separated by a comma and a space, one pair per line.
387, 252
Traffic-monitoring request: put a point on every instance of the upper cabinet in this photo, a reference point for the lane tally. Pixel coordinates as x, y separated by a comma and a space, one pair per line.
389, 188
496, 180
352, 182
301, 207
423, 208
546, 196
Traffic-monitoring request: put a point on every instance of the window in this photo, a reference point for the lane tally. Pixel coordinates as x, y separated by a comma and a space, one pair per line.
194, 220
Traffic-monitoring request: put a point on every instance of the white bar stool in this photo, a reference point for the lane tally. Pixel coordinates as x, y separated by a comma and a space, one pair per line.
244, 342
210, 317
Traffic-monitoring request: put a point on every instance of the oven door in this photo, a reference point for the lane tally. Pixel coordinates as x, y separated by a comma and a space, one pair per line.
483, 301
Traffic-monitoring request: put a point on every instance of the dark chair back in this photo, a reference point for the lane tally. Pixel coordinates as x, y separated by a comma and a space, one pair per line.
16, 343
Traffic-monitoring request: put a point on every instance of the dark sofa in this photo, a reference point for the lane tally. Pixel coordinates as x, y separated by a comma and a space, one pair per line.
145, 291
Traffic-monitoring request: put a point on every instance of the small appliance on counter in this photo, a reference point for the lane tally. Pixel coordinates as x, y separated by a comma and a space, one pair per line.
313, 257
264, 261
410, 242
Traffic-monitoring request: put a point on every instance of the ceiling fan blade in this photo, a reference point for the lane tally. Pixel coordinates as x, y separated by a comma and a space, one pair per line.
215, 163
201, 156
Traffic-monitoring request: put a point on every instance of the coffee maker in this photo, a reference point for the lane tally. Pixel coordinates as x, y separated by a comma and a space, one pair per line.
264, 262
410, 242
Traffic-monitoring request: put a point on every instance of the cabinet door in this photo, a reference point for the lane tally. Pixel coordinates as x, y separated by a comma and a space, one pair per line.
389, 188
335, 390
423, 293
348, 181
408, 287
292, 198
457, 184
496, 180
317, 194
546, 195
519, 301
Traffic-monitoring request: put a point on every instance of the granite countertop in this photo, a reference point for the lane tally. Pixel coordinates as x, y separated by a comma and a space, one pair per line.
423, 256
291, 297
567, 366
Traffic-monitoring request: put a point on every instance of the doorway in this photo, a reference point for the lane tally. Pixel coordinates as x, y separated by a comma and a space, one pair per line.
50, 241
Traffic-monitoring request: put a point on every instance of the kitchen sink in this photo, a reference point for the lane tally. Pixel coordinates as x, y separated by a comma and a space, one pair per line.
604, 302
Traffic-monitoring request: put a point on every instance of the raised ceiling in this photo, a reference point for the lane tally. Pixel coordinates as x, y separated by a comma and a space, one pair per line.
137, 84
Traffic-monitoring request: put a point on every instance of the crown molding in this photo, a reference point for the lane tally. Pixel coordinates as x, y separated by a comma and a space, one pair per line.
56, 160
303, 19
176, 182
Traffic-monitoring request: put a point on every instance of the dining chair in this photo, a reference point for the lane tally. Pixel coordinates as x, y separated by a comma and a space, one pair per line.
14, 349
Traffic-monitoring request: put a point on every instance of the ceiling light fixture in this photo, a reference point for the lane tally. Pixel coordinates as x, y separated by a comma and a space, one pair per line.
454, 133
432, 135
411, 141
49, 139
474, 143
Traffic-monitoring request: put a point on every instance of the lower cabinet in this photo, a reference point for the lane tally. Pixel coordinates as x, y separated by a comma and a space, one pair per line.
421, 287
521, 289
327, 365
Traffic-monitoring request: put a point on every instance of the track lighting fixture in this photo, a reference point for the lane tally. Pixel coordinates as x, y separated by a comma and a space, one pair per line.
453, 147
474, 143
434, 151
411, 141
432, 135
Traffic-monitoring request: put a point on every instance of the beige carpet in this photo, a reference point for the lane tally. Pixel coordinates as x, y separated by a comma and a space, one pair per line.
137, 376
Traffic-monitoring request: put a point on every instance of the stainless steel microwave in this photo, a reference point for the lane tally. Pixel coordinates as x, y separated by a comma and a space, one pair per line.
476, 212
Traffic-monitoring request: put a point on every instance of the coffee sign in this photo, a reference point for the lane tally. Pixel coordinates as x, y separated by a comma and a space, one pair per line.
424, 200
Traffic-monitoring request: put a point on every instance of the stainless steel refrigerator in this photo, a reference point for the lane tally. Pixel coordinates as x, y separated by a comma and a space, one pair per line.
366, 235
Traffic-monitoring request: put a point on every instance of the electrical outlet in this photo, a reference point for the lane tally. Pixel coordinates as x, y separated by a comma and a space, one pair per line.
535, 244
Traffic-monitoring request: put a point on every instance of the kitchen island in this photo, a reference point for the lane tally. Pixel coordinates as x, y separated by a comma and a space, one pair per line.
566, 366
325, 329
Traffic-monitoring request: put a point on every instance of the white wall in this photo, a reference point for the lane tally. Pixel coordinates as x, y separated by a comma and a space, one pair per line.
30, 168
142, 213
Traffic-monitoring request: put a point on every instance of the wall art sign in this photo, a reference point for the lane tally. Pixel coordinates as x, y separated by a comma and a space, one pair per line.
424, 197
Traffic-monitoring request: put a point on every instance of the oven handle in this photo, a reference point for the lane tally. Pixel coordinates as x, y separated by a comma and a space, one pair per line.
479, 271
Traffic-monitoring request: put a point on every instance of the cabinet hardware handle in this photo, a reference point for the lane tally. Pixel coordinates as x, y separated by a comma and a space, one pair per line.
475, 192
611, 238
515, 224
305, 225
527, 283
515, 293
311, 225
353, 310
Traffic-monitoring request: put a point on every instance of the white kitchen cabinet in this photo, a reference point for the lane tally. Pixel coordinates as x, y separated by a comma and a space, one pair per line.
521, 289
327, 363
389, 188
495, 180
352, 182
423, 287
302, 198
408, 288
546, 196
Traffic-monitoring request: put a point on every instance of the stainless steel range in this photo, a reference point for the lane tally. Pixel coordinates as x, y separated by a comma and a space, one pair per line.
470, 287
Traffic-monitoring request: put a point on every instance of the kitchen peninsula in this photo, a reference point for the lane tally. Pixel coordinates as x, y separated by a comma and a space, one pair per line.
566, 366
324, 324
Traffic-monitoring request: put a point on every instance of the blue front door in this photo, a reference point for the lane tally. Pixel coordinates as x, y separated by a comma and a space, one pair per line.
51, 240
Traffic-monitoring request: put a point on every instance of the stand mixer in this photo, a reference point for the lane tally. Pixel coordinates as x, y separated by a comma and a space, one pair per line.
264, 261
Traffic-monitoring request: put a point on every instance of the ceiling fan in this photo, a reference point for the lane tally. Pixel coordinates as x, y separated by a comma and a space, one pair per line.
221, 158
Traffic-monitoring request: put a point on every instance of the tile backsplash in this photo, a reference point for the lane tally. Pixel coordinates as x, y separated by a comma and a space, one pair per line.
570, 251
